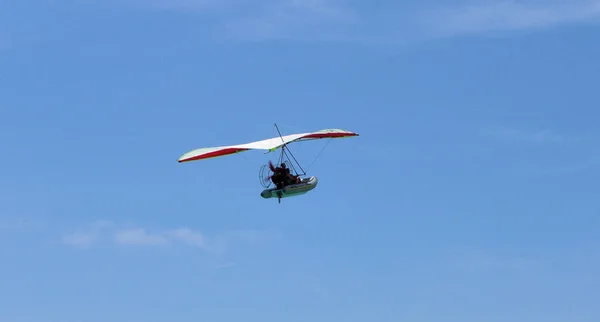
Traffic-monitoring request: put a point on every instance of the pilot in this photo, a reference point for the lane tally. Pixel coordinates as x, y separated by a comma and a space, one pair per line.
279, 176
282, 177
289, 178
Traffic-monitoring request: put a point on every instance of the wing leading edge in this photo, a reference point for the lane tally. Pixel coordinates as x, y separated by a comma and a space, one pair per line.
269, 145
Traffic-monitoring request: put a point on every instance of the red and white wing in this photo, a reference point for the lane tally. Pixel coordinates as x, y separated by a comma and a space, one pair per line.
322, 134
269, 144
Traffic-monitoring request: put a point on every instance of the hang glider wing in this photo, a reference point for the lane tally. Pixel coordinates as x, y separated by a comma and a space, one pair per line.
269, 145
322, 134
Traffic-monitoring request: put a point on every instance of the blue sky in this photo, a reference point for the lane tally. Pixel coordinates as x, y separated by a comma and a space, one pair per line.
471, 194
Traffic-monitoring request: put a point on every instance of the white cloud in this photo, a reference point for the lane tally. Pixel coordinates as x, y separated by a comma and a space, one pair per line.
308, 19
532, 136
363, 22
139, 237
79, 239
268, 19
484, 16
19, 223
226, 265
108, 232
344, 20
85, 238
188, 237
494, 263
102, 224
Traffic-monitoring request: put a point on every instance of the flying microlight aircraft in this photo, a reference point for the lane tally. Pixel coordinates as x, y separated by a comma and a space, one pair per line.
287, 184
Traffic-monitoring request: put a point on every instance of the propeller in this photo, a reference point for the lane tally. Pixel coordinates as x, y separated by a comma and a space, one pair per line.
272, 167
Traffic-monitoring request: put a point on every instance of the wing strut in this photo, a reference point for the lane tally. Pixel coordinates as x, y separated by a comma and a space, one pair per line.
283, 152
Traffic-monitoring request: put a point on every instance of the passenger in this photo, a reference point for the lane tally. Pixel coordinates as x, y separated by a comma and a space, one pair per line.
290, 178
282, 177
279, 176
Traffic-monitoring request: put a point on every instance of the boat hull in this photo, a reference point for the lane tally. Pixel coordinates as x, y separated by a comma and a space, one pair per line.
293, 190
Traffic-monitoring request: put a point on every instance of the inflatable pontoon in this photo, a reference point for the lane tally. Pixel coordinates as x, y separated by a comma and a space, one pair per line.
306, 185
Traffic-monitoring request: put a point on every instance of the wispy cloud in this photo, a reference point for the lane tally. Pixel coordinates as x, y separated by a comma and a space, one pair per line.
531, 136
488, 262
226, 265
139, 237
84, 238
188, 236
297, 19
127, 236
271, 19
344, 20
484, 16
363, 22
574, 260
79, 239
19, 223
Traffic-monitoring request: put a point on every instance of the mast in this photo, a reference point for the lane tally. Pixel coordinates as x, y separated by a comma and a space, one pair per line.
283, 152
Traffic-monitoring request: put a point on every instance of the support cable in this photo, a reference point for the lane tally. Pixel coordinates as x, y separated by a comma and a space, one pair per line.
319, 154
283, 147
